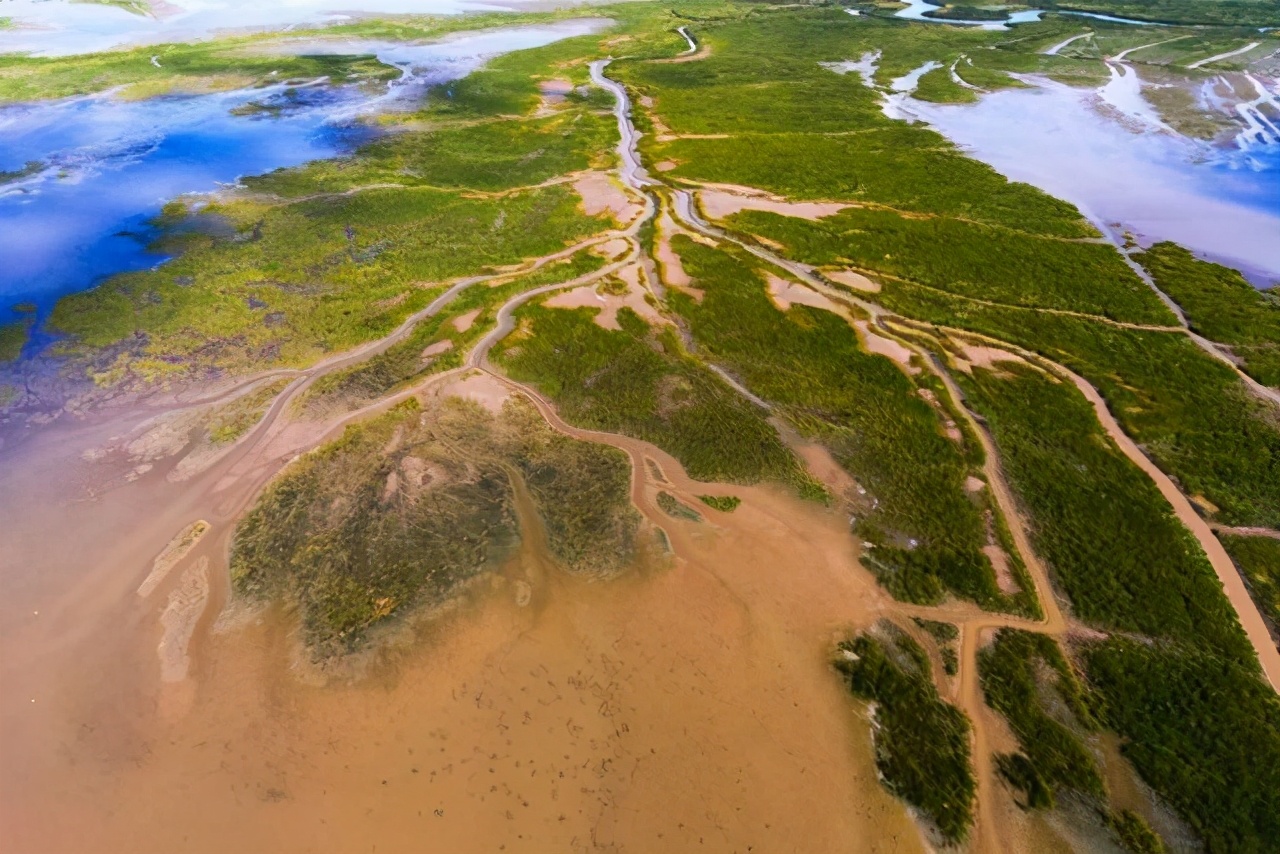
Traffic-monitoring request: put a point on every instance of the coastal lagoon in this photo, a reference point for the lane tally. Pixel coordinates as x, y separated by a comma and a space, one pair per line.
1105, 151
87, 174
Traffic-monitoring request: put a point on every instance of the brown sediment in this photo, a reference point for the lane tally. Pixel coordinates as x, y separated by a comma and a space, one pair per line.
849, 278
431, 350
888, 347
785, 293
173, 553
665, 165
611, 249
464, 322
479, 387
543, 715
600, 194
590, 296
721, 203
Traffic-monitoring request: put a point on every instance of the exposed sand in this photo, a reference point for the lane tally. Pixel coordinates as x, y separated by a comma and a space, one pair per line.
602, 194
433, 350
553, 93
973, 484
186, 605
786, 293
678, 708
1000, 563
590, 296
721, 203
882, 346
985, 357
173, 553
669, 264
480, 388
611, 249
464, 322
857, 281
665, 165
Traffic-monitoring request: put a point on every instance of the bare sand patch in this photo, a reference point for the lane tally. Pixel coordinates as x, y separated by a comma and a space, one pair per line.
602, 194
670, 266
553, 94
481, 388
186, 604
985, 357
178, 548
611, 248
591, 296
1000, 563
463, 322
665, 165
974, 484
433, 350
786, 293
849, 278
722, 203
888, 347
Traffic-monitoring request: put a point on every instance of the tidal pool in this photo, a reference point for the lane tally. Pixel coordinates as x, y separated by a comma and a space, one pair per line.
87, 174
1099, 150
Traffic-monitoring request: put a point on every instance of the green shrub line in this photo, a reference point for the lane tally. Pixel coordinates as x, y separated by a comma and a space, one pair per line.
921, 741
1259, 561
723, 503
1189, 412
1053, 754
1222, 306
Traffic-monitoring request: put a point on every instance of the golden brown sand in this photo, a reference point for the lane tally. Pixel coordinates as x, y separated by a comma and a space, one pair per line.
721, 203
684, 707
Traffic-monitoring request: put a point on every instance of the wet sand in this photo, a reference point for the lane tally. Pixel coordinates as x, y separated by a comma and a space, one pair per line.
679, 707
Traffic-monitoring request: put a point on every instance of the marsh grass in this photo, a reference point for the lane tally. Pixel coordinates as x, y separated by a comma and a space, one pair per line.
926, 532
921, 741
406, 507
1026, 678
1221, 306
1190, 413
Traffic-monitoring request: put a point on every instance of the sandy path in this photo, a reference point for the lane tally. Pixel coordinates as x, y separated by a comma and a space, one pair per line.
1250, 618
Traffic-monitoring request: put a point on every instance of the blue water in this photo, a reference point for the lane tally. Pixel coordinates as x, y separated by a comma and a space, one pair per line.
104, 167
918, 10
107, 167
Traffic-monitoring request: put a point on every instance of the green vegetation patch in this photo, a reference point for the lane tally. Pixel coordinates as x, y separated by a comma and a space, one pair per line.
1026, 678
1110, 539
677, 509
723, 503
886, 429
406, 507
639, 382
1135, 834
1259, 560
1203, 731
921, 741
232, 420
1190, 413
13, 336
1222, 306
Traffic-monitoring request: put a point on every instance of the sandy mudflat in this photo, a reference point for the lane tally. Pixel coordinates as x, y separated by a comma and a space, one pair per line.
720, 203
682, 707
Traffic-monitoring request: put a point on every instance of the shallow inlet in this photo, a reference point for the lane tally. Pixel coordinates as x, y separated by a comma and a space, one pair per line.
103, 167
1221, 202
